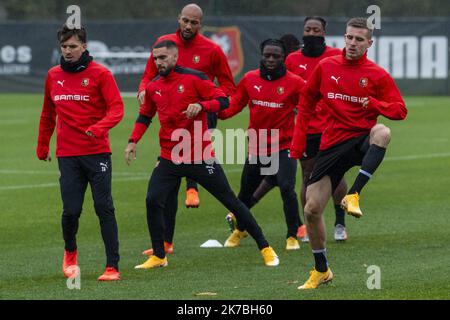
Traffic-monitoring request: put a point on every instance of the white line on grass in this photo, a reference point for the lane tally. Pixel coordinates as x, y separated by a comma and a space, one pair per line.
137, 176
29, 186
36, 172
124, 179
419, 156
50, 185
13, 122
52, 173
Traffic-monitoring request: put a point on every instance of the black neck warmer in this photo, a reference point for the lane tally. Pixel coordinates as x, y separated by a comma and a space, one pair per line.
76, 66
313, 46
272, 75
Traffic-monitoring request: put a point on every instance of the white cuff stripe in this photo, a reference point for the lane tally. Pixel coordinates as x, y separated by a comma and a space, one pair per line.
365, 173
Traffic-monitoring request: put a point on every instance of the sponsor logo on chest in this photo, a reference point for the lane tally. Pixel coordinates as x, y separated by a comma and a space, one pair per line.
268, 104
345, 97
71, 97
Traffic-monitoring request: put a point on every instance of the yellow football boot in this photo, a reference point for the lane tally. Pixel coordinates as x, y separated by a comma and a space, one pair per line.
292, 244
317, 278
153, 262
235, 238
270, 257
350, 204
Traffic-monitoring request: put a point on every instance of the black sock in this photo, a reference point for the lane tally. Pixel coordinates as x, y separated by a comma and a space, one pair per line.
253, 201
370, 163
191, 184
70, 229
320, 257
340, 215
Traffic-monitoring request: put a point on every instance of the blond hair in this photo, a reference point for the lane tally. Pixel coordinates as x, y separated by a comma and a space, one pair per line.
360, 23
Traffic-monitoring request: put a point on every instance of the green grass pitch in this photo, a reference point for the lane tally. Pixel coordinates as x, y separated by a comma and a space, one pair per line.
405, 229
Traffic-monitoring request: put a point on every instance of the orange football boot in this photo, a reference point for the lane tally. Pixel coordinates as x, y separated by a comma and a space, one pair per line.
168, 248
110, 274
70, 263
192, 199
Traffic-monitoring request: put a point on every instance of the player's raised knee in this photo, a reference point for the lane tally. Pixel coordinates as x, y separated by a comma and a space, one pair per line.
381, 135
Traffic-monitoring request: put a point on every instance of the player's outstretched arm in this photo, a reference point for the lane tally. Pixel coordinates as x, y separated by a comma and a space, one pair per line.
146, 114
238, 101
47, 125
212, 99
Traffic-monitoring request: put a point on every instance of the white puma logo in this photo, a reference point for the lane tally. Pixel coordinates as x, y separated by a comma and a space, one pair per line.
210, 169
61, 83
257, 88
303, 66
158, 92
104, 166
335, 79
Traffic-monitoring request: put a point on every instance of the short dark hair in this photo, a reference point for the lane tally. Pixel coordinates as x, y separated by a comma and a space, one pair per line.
360, 23
291, 42
273, 42
65, 33
318, 18
169, 44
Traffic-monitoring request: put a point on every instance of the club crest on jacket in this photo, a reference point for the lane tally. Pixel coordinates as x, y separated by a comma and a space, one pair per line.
363, 82
280, 90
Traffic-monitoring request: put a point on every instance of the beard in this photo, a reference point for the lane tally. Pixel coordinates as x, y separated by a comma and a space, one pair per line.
165, 72
188, 36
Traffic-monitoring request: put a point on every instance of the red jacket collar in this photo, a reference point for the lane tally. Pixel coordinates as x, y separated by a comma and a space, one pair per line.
185, 42
354, 62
